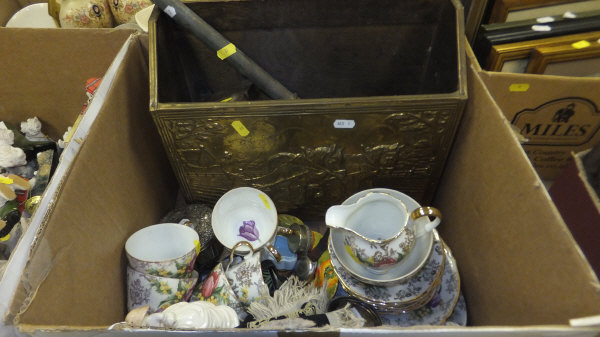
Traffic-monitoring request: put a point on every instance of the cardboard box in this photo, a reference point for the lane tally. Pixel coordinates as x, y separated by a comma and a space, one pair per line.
521, 270
555, 114
579, 205
44, 75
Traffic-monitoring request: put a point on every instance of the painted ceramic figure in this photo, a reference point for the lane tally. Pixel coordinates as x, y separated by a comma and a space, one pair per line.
85, 14
124, 10
186, 316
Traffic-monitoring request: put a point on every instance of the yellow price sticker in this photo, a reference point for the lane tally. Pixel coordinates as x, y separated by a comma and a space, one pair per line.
198, 246
265, 201
6, 180
581, 44
240, 128
519, 87
226, 51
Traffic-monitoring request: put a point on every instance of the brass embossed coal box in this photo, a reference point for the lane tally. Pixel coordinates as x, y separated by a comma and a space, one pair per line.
381, 88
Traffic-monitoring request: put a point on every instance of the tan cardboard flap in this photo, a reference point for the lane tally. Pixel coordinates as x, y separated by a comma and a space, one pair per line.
120, 182
557, 114
39, 79
518, 261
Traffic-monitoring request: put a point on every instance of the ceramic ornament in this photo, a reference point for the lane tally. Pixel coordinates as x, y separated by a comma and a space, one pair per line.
10, 156
32, 129
185, 316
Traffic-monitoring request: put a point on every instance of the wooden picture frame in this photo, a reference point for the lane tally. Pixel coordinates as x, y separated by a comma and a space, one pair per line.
515, 10
514, 57
486, 40
581, 58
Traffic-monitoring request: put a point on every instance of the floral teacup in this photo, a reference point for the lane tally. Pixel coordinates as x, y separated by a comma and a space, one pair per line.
155, 291
167, 250
248, 214
216, 289
246, 276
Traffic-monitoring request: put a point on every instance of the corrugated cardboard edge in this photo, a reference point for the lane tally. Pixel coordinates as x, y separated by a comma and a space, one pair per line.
479, 123
423, 331
484, 74
34, 271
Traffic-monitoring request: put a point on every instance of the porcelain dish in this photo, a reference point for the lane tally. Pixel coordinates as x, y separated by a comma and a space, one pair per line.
410, 294
440, 307
459, 314
405, 270
32, 16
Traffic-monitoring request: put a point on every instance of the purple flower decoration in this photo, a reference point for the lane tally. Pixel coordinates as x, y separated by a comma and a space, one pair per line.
249, 231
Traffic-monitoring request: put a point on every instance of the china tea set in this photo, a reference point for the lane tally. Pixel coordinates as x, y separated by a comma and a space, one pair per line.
382, 246
386, 251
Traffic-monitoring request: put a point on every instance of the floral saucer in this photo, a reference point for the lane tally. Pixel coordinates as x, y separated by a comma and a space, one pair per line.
459, 314
441, 306
405, 270
419, 289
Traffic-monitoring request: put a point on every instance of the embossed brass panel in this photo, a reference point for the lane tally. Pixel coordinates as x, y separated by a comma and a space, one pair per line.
391, 125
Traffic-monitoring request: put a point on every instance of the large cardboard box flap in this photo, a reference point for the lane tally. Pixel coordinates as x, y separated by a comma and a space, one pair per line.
519, 262
121, 156
555, 115
44, 75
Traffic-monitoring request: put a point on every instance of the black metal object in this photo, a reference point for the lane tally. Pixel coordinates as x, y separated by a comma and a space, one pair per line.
185, 17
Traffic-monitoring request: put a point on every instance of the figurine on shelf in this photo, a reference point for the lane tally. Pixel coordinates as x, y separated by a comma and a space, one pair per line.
85, 14
32, 129
13, 193
10, 156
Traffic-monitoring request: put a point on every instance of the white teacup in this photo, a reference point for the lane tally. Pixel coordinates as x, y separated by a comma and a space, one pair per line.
166, 249
245, 214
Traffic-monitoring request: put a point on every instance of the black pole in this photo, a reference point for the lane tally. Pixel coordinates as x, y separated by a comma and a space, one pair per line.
225, 49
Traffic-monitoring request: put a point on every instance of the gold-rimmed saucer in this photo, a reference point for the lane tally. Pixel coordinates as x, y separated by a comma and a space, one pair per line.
414, 292
440, 307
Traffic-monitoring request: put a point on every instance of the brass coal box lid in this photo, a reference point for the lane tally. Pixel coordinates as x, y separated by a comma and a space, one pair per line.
381, 89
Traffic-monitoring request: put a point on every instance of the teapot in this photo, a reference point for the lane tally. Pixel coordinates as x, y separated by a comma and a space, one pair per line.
378, 231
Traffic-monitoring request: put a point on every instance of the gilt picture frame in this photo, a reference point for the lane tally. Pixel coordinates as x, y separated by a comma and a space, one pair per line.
514, 57
485, 40
581, 58
515, 10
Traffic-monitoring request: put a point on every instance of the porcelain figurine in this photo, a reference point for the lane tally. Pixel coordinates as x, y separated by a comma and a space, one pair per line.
85, 14
32, 129
10, 156
186, 316
124, 10
13, 193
